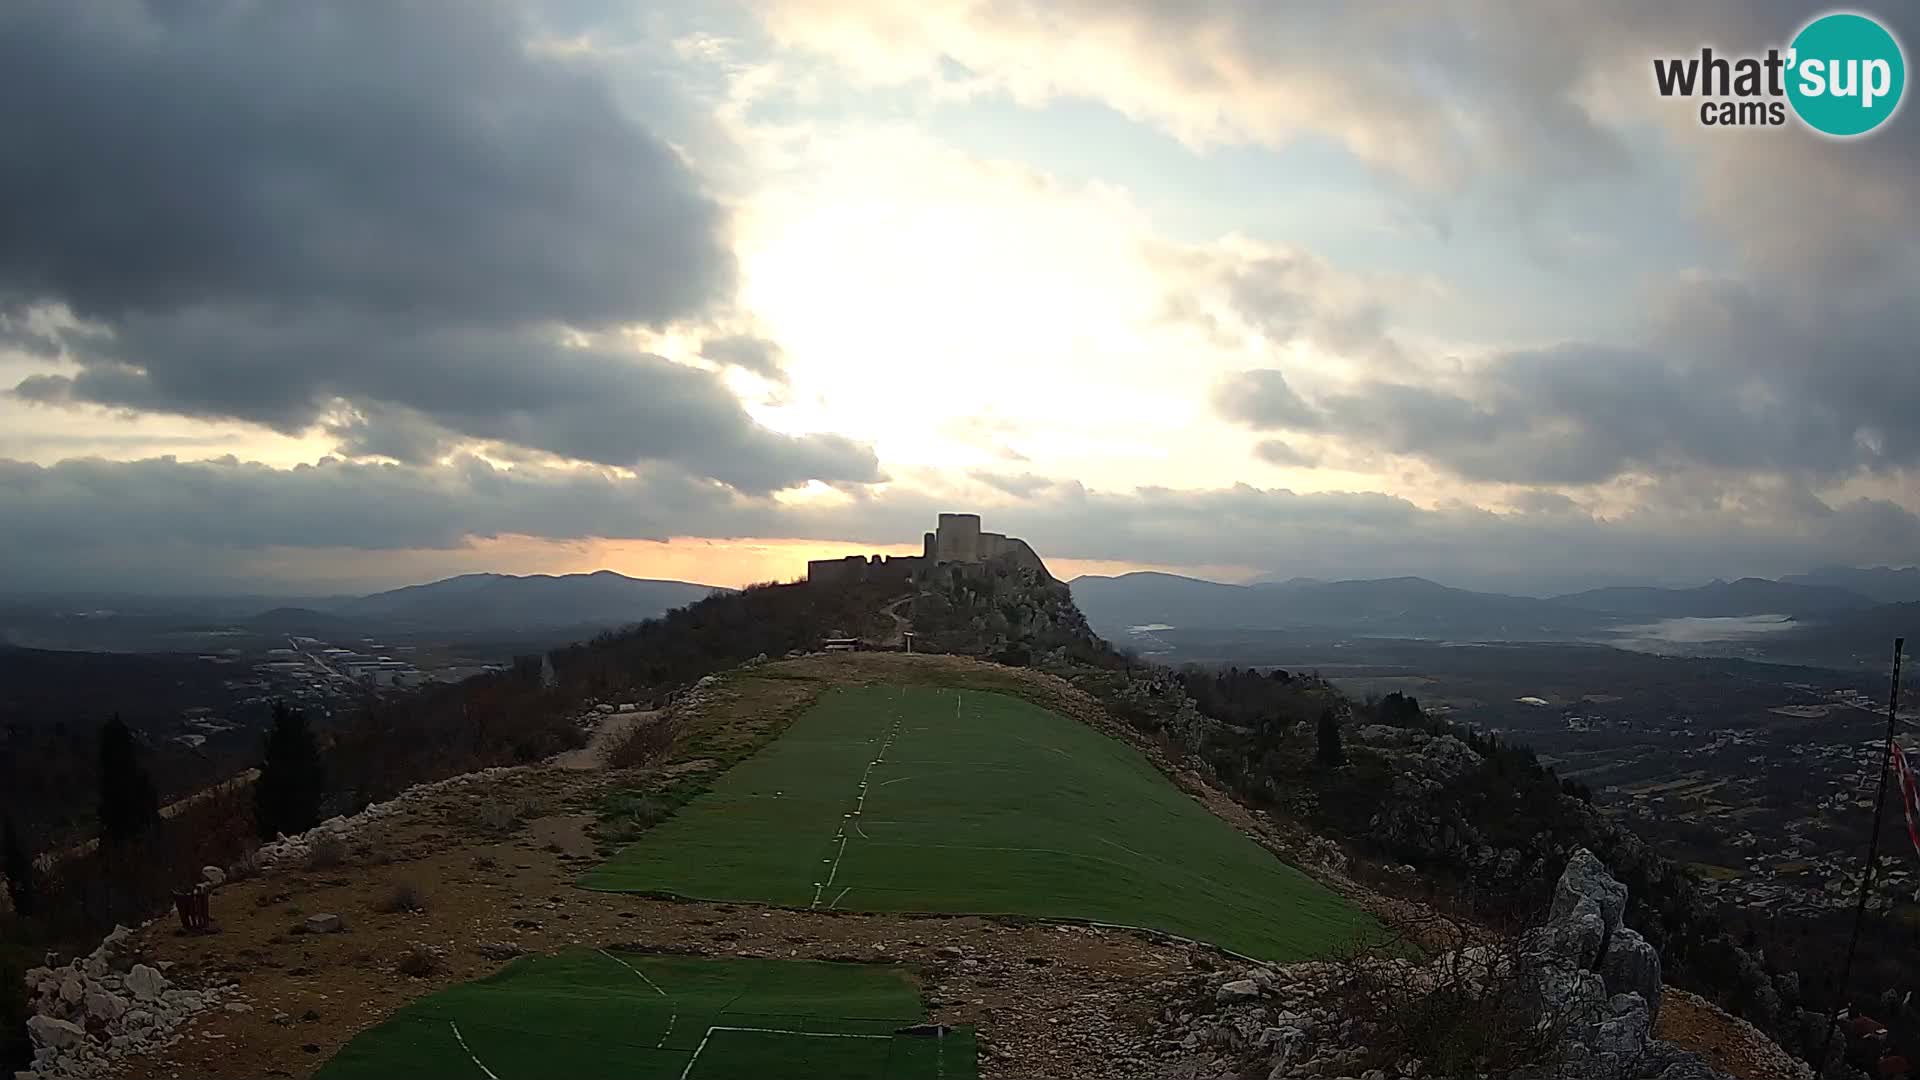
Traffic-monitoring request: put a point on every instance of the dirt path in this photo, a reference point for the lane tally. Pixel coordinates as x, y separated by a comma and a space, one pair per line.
605, 737
901, 624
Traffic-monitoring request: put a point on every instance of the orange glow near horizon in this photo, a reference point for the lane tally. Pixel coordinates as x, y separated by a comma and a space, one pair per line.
725, 562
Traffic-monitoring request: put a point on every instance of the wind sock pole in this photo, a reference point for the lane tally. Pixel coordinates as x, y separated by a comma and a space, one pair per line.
1873, 855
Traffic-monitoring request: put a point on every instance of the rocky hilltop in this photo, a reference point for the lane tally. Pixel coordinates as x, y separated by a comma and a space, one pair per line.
332, 931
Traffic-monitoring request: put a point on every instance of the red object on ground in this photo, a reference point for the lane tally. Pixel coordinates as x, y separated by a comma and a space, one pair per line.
1893, 1067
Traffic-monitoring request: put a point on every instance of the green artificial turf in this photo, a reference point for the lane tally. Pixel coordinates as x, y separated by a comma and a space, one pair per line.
977, 803
589, 1015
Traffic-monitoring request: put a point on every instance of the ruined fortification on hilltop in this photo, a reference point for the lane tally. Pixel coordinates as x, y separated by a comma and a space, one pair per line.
957, 541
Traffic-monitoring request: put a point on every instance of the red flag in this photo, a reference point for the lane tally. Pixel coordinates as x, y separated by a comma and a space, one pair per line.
1909, 793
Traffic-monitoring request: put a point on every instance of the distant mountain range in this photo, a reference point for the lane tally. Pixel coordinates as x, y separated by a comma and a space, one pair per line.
1881, 584
511, 602
1721, 599
1388, 607
1832, 621
536, 606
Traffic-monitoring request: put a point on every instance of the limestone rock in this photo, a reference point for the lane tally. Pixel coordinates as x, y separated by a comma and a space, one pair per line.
1586, 877
1632, 966
144, 983
59, 1034
1238, 990
213, 876
326, 923
104, 1006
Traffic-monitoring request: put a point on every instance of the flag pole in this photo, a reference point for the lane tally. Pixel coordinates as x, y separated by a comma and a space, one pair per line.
1873, 854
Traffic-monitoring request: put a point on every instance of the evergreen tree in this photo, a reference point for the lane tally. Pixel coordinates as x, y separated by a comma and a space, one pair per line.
19, 870
128, 804
1330, 752
286, 798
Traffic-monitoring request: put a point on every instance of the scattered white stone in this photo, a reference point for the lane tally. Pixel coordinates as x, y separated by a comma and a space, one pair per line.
325, 923
56, 1034
145, 983
213, 876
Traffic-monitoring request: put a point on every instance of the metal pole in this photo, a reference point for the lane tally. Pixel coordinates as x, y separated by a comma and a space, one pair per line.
1873, 854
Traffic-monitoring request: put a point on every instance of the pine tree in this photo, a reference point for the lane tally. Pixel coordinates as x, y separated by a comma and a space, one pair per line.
286, 798
19, 869
1331, 753
128, 804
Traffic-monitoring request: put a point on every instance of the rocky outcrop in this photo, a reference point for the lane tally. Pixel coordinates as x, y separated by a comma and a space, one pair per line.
105, 1006
1586, 976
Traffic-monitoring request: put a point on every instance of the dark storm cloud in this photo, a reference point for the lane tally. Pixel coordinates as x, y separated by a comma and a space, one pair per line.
381, 218
119, 524
1731, 379
409, 160
611, 407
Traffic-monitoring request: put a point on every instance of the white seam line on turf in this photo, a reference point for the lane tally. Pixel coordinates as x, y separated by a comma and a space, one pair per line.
840, 834
463, 1045
837, 899
688, 1071
672, 1016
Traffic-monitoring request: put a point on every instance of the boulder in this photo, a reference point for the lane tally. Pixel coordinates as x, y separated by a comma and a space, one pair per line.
1624, 1032
1632, 966
104, 1006
1586, 877
325, 923
58, 1034
213, 876
1237, 990
73, 989
1577, 936
145, 983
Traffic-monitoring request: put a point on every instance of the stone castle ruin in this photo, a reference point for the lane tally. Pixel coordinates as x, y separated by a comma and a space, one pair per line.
957, 541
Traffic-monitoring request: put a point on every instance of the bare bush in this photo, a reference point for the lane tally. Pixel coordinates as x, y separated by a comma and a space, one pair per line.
245, 867
403, 897
326, 853
421, 961
643, 745
1475, 1008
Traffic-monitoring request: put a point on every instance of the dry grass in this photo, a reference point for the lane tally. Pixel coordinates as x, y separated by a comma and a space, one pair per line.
404, 897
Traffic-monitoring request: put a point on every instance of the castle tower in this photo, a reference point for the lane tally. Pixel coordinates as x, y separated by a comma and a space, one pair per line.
958, 538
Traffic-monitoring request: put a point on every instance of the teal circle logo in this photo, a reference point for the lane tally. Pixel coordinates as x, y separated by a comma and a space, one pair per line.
1846, 75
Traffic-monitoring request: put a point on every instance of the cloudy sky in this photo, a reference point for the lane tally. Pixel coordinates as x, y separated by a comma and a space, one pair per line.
333, 295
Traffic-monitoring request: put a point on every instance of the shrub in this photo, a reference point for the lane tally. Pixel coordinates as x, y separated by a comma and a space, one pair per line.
642, 745
404, 896
1473, 1010
421, 961
245, 866
327, 852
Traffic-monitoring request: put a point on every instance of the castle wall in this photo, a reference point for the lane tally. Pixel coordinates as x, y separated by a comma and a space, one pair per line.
957, 540
860, 569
